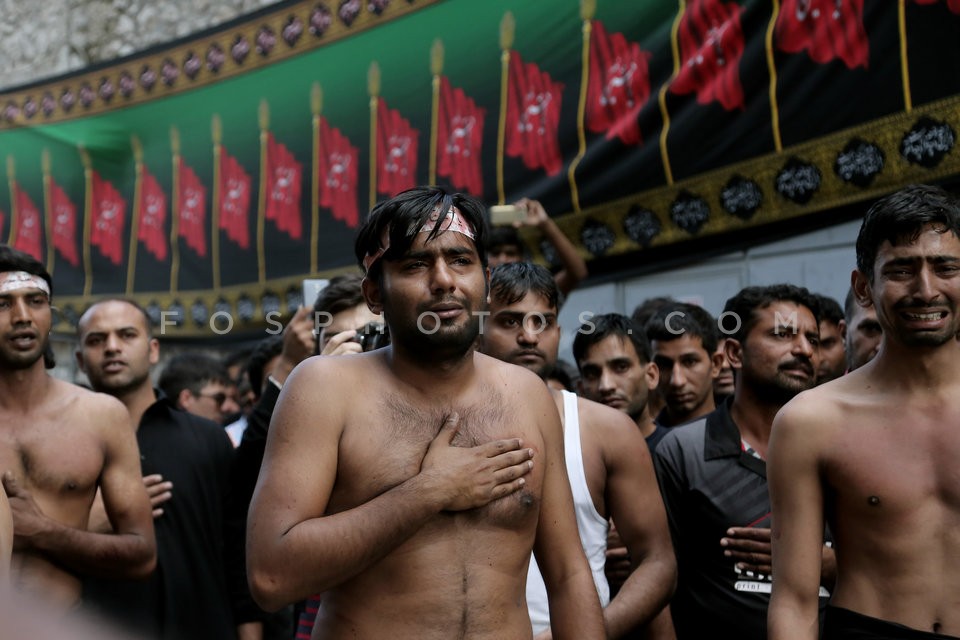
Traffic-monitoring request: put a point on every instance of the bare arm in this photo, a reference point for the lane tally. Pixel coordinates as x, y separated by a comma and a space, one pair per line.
295, 549
796, 498
574, 605
128, 552
633, 499
6, 538
574, 267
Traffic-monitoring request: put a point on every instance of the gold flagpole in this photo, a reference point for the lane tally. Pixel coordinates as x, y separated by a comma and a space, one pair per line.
904, 60
264, 121
507, 29
436, 68
772, 68
87, 221
217, 133
45, 164
175, 211
316, 106
662, 98
135, 219
373, 87
11, 179
587, 10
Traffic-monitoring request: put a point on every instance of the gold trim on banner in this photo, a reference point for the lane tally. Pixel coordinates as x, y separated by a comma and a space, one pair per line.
123, 84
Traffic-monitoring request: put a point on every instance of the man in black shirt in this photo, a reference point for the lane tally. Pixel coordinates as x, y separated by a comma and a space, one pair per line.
187, 597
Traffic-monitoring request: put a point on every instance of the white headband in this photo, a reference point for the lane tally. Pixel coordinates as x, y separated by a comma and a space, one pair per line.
16, 280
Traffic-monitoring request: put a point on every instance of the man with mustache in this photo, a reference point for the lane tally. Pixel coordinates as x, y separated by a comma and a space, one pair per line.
874, 453
712, 471
59, 444
607, 460
410, 484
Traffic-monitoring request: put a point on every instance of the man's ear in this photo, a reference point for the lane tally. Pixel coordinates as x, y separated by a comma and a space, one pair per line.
716, 364
78, 354
371, 294
734, 352
862, 290
652, 374
842, 328
185, 399
153, 355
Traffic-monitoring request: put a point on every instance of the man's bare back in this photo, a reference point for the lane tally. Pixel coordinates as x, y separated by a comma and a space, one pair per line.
53, 456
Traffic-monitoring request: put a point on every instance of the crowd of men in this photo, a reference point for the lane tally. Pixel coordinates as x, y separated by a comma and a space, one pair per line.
420, 464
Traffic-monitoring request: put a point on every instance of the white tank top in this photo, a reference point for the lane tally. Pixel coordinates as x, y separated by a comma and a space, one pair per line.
593, 527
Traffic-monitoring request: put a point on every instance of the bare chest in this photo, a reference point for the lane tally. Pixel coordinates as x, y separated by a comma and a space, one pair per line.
889, 469
384, 445
54, 459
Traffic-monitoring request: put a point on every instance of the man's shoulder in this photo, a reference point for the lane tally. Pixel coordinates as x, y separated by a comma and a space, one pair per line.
83, 401
509, 377
688, 434
596, 416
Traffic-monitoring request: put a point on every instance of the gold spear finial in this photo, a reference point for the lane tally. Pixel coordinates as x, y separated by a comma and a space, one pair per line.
216, 127
508, 27
587, 9
373, 79
316, 98
436, 57
264, 115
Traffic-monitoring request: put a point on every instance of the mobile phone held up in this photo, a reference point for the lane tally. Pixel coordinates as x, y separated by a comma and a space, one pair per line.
506, 214
312, 288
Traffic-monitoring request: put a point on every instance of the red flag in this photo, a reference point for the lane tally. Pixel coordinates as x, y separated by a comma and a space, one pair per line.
153, 216
337, 174
235, 187
533, 116
28, 238
109, 216
618, 87
397, 144
826, 29
283, 189
459, 138
711, 46
953, 5
192, 210
64, 214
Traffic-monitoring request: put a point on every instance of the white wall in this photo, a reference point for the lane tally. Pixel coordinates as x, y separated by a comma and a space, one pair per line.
820, 261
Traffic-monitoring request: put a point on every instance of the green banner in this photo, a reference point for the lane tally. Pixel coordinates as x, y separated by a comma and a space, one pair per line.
208, 177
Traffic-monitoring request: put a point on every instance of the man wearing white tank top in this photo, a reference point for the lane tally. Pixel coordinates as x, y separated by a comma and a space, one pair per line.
608, 464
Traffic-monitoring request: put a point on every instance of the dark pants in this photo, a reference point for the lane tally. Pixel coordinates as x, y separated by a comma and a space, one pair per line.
843, 624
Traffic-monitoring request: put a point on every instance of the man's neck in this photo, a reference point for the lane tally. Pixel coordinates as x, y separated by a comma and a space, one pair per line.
431, 376
923, 370
674, 419
21, 389
753, 417
137, 401
645, 423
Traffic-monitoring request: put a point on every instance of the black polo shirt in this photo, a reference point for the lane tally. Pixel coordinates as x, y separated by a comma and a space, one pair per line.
710, 484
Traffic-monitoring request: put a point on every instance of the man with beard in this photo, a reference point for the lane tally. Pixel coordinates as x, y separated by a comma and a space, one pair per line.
832, 355
409, 484
59, 443
712, 471
875, 453
610, 471
185, 460
861, 333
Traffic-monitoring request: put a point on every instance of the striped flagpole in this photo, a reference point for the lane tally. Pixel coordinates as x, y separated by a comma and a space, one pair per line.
373, 88
264, 121
587, 10
316, 106
175, 211
48, 226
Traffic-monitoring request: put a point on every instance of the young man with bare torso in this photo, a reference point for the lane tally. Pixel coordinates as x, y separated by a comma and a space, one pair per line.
410, 484
875, 452
58, 444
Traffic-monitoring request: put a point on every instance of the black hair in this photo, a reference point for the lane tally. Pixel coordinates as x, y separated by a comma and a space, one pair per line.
401, 218
675, 320
649, 307
566, 374
900, 217
830, 310
265, 351
147, 322
15, 260
510, 282
191, 371
341, 293
600, 327
744, 305
503, 235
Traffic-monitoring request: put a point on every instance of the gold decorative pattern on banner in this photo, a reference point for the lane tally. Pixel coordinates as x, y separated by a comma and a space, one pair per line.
234, 49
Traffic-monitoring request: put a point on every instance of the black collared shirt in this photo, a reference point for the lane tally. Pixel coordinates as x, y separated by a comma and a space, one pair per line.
710, 484
186, 598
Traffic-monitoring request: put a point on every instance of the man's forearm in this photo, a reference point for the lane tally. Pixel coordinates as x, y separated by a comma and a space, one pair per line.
575, 612
318, 554
643, 595
102, 555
